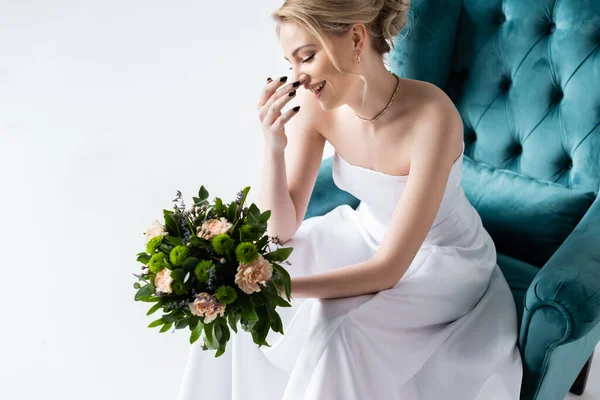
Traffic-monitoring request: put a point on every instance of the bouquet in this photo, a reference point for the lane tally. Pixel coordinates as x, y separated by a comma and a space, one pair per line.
208, 268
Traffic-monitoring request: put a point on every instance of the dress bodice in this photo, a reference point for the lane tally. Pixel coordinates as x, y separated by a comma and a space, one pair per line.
379, 193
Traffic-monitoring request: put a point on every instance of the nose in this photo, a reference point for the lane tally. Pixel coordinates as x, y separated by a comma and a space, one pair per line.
300, 77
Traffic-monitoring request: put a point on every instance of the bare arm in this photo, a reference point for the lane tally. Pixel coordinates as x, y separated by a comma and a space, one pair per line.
288, 200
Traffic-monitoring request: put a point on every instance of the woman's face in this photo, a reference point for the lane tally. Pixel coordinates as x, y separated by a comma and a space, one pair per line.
311, 64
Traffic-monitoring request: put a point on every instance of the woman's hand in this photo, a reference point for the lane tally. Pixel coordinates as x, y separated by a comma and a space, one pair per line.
269, 112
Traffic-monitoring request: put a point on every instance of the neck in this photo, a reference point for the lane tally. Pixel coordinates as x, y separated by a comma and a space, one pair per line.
380, 88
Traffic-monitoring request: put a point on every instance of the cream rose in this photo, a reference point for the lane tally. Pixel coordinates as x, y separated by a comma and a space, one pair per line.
250, 275
207, 306
155, 229
213, 227
163, 281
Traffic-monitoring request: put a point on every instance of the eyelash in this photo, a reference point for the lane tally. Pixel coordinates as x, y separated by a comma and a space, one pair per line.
308, 59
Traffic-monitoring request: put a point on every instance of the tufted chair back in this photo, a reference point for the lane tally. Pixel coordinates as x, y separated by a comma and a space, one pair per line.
525, 76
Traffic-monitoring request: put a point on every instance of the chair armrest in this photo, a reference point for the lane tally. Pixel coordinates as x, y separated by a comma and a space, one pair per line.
326, 195
562, 303
570, 280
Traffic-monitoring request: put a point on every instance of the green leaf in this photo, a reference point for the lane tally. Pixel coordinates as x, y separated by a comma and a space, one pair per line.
194, 320
156, 323
181, 324
154, 308
190, 262
245, 195
281, 254
233, 319
146, 290
274, 298
264, 217
220, 350
137, 285
285, 280
175, 241
219, 208
203, 193
262, 242
225, 330
170, 317
148, 298
166, 327
247, 304
196, 333
218, 332
210, 341
178, 274
253, 214
276, 323
143, 258
261, 329
232, 212
171, 225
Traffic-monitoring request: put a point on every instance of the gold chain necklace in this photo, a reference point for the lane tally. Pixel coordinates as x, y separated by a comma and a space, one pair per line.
386, 107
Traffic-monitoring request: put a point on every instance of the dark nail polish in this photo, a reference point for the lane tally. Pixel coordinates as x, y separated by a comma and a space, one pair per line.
269, 80
296, 84
296, 108
283, 79
293, 92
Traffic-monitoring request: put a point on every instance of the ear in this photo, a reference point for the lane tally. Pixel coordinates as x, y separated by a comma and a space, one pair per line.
358, 34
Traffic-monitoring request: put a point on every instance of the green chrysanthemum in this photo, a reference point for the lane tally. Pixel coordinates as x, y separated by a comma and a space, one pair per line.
225, 294
157, 262
179, 287
246, 252
179, 254
153, 244
249, 232
201, 270
223, 243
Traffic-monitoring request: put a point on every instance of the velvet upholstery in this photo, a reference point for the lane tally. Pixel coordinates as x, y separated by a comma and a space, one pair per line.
525, 77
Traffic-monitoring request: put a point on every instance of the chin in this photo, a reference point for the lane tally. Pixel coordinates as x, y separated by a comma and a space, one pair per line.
328, 106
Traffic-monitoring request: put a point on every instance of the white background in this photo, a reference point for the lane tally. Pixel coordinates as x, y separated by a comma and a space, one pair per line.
107, 108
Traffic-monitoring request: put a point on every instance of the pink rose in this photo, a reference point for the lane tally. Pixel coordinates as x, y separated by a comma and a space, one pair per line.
250, 275
163, 281
213, 227
155, 229
207, 306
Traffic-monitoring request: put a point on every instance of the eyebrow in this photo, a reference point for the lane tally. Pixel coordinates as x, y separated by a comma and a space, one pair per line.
300, 48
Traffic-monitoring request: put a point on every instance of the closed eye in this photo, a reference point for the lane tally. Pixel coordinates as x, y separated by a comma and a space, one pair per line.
308, 59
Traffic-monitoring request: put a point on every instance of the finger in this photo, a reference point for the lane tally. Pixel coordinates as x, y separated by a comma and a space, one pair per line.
275, 108
279, 89
281, 93
269, 89
285, 117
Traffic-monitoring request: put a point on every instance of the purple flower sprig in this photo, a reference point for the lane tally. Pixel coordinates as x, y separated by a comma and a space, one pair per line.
180, 214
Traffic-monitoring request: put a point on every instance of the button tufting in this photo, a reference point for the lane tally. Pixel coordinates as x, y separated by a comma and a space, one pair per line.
518, 149
569, 164
558, 95
551, 28
501, 18
505, 84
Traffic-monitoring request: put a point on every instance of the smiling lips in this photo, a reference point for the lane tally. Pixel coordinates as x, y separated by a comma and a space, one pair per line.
315, 89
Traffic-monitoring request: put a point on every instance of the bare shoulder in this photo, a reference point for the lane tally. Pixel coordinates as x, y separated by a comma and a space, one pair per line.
436, 120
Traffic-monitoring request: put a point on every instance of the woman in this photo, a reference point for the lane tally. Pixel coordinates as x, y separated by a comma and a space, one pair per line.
401, 298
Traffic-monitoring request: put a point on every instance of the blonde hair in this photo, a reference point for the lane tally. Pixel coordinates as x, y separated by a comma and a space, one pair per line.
384, 19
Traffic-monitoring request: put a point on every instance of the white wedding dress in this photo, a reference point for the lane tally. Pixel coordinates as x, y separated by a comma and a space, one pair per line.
446, 330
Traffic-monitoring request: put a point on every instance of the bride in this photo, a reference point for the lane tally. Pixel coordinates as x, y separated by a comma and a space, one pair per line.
400, 298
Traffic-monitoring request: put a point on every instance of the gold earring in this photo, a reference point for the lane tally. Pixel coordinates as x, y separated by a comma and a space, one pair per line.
357, 59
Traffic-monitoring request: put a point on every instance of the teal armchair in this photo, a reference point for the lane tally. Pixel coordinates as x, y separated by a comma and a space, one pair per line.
525, 76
